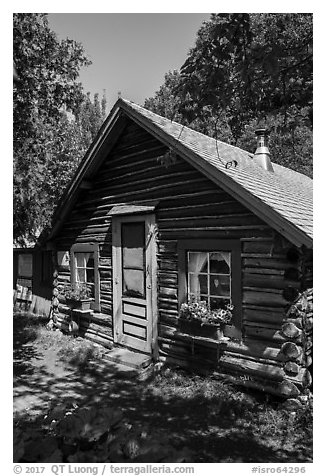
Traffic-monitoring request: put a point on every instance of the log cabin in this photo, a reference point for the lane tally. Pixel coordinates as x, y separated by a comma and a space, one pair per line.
158, 212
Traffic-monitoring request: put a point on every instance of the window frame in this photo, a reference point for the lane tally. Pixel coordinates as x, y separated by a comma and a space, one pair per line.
214, 245
87, 248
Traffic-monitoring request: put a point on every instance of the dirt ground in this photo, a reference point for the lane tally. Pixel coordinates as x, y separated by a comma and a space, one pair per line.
211, 432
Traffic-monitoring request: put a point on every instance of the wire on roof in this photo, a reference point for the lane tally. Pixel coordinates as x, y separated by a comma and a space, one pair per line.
228, 164
181, 131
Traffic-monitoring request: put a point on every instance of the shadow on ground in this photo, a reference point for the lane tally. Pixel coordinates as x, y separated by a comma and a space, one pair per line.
205, 426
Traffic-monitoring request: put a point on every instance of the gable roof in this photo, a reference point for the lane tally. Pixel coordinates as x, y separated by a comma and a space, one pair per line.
283, 199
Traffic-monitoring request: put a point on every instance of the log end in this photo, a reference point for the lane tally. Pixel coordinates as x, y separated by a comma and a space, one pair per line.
288, 389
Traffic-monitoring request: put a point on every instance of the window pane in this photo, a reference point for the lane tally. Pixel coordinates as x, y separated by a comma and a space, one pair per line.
90, 275
84, 260
218, 303
80, 260
89, 260
220, 262
198, 284
133, 243
133, 258
81, 275
197, 262
219, 285
25, 265
133, 282
63, 258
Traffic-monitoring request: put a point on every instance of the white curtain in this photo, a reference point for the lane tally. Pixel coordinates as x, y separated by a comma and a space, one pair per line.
199, 259
80, 266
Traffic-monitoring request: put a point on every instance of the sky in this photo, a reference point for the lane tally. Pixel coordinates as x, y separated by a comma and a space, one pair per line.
130, 52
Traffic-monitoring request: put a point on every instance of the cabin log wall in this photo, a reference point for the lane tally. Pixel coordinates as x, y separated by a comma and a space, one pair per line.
191, 206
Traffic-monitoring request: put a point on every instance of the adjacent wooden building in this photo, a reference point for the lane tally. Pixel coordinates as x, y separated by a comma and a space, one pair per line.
157, 211
32, 280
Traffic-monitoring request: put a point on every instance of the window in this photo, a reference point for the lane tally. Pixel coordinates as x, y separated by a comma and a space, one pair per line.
63, 259
133, 259
84, 266
84, 269
209, 277
210, 270
25, 265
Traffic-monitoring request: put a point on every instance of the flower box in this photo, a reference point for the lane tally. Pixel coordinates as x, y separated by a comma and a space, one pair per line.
79, 304
196, 328
197, 319
78, 296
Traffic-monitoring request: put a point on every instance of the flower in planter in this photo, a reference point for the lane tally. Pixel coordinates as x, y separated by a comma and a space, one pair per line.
77, 292
195, 310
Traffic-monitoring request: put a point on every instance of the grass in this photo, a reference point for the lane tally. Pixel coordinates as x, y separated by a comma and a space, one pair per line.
216, 421
261, 415
75, 351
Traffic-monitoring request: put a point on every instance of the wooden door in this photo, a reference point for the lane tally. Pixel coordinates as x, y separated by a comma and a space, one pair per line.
134, 282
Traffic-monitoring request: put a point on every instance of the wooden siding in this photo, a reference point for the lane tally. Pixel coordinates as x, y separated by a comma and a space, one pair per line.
33, 293
191, 206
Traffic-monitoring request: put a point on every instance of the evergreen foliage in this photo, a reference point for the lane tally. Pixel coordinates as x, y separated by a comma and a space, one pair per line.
54, 121
247, 71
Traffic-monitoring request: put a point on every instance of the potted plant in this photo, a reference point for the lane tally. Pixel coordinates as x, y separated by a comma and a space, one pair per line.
78, 296
197, 318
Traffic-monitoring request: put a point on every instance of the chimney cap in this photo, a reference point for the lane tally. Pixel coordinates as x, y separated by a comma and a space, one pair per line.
262, 154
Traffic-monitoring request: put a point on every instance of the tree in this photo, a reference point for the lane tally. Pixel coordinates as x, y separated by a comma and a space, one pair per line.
90, 116
248, 70
68, 144
48, 70
165, 102
251, 64
51, 113
174, 106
